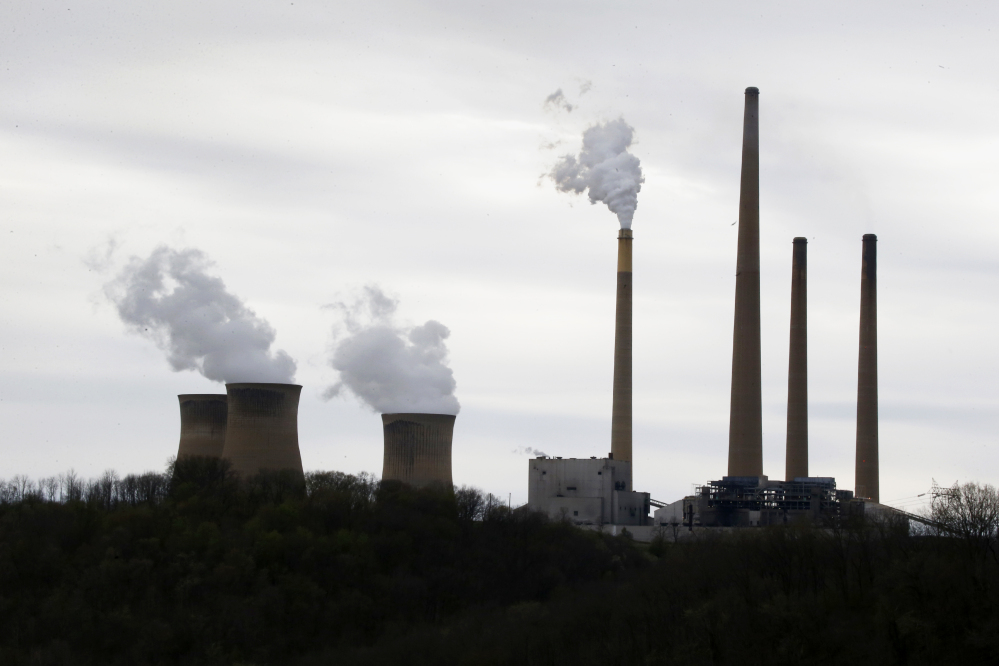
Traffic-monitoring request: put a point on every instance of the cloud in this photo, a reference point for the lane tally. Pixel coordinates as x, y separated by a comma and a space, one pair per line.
557, 101
170, 298
391, 368
605, 168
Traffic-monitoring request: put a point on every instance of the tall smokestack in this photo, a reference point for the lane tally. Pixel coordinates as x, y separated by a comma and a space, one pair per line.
262, 428
867, 481
797, 366
745, 430
418, 448
621, 410
202, 424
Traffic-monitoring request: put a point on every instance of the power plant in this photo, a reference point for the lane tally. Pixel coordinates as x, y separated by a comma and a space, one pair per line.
255, 424
418, 448
202, 424
262, 428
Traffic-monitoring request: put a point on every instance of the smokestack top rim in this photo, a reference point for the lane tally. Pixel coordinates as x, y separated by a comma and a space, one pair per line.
434, 416
184, 397
870, 237
752, 90
625, 233
264, 385
799, 239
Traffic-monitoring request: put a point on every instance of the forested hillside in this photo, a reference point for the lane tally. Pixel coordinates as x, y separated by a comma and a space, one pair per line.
192, 567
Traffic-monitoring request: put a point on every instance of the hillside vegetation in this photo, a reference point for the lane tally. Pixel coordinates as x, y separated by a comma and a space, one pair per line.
193, 567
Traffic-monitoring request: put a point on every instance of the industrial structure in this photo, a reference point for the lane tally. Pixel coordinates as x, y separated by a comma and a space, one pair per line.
796, 457
418, 448
202, 424
588, 491
262, 428
867, 480
746, 497
598, 491
745, 427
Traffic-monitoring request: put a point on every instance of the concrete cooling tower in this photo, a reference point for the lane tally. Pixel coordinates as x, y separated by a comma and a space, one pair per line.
262, 428
202, 424
418, 448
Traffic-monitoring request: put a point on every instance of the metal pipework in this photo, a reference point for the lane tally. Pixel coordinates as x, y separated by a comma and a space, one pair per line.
797, 366
202, 424
262, 428
745, 433
621, 408
867, 479
418, 448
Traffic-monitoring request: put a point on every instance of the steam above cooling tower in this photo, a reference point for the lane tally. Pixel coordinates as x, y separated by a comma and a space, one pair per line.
621, 409
745, 434
202, 424
796, 464
262, 428
418, 448
867, 480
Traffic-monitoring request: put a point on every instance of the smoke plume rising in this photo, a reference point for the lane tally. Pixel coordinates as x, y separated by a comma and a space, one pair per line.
390, 367
537, 453
605, 168
169, 298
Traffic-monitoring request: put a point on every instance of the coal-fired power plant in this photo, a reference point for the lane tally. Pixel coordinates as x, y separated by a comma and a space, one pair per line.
745, 435
867, 480
621, 407
262, 428
202, 424
418, 448
796, 463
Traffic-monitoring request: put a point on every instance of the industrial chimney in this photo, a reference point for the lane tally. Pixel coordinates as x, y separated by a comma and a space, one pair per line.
262, 428
797, 366
867, 481
621, 409
745, 431
418, 448
202, 424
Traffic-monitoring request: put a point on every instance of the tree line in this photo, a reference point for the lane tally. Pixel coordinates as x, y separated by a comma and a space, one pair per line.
193, 566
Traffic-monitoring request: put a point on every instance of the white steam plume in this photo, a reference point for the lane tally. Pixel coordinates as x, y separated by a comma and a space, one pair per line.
537, 453
390, 367
605, 168
169, 298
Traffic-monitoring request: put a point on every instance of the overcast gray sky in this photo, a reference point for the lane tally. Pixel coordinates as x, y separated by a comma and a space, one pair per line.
311, 148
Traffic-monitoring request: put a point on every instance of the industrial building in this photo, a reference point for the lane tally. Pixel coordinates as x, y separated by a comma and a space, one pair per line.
588, 491
598, 491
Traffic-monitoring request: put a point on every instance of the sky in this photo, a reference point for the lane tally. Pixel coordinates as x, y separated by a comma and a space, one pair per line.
311, 149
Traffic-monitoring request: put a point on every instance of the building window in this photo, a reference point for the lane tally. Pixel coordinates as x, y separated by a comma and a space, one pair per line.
575, 513
570, 487
619, 485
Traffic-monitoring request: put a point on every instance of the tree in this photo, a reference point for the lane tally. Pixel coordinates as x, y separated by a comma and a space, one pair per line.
970, 512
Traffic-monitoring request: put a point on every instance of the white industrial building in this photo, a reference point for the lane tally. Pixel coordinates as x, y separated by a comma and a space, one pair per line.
586, 491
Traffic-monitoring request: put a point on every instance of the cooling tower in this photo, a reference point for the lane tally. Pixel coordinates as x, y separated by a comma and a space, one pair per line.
418, 448
745, 433
867, 480
202, 424
621, 410
797, 366
262, 428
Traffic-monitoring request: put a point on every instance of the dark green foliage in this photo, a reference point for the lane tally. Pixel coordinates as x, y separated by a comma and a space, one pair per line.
194, 567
